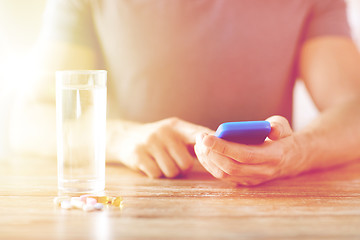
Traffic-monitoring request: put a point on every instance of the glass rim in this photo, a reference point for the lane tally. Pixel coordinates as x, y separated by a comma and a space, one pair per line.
81, 72
81, 78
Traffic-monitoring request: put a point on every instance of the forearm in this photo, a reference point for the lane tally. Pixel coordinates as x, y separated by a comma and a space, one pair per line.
33, 130
333, 138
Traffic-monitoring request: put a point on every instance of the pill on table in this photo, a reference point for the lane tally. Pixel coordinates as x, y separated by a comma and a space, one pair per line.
88, 208
84, 197
66, 204
57, 200
103, 199
76, 202
99, 199
91, 201
116, 201
98, 206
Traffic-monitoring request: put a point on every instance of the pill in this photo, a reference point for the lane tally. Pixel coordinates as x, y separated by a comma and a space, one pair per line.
99, 199
57, 200
116, 201
76, 202
88, 202
103, 199
98, 206
88, 208
84, 197
66, 204
91, 201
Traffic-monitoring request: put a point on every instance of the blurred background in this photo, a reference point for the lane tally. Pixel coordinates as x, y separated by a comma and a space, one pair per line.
20, 24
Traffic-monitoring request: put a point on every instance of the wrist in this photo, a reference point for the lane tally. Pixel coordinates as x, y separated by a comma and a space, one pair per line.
296, 155
116, 132
304, 151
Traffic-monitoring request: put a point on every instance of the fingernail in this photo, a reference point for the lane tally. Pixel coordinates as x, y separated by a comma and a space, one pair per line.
209, 141
200, 137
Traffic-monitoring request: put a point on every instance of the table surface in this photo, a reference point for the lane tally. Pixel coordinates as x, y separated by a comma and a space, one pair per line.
317, 205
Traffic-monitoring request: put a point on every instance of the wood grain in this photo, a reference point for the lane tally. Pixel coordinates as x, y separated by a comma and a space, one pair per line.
318, 205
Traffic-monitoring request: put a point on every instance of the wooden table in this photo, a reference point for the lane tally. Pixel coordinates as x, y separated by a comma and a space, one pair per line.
312, 206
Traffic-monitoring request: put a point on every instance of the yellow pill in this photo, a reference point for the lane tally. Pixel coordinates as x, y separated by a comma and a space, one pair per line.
99, 199
103, 199
116, 201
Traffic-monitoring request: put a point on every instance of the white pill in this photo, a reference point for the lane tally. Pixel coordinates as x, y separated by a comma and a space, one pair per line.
99, 206
91, 201
76, 202
66, 204
88, 208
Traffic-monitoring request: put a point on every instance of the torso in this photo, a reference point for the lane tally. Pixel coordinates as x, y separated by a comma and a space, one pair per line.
205, 61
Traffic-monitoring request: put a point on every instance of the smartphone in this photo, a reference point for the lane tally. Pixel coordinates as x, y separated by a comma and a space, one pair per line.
249, 132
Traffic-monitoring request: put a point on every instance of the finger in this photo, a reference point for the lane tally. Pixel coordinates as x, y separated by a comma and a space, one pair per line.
202, 154
165, 162
180, 154
280, 127
189, 131
148, 166
227, 169
239, 152
233, 168
178, 151
210, 166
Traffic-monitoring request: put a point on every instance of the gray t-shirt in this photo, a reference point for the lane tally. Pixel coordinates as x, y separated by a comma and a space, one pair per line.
205, 61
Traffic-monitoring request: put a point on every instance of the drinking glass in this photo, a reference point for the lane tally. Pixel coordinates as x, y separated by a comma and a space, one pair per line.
81, 130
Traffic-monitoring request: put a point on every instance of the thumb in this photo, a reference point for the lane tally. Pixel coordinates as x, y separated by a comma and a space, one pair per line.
280, 127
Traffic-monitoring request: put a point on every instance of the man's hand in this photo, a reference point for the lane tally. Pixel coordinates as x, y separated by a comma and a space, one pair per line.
279, 156
156, 149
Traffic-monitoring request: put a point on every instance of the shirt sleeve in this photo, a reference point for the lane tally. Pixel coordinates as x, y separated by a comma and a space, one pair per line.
328, 17
69, 21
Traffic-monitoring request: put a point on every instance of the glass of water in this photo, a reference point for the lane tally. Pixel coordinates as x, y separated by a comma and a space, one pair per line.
81, 130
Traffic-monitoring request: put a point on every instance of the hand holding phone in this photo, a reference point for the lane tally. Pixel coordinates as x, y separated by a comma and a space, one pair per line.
247, 132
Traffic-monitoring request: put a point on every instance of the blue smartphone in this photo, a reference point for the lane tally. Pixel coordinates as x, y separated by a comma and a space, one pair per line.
250, 132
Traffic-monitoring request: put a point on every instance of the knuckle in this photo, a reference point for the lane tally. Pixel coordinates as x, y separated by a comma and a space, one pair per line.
172, 121
151, 140
139, 150
164, 131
